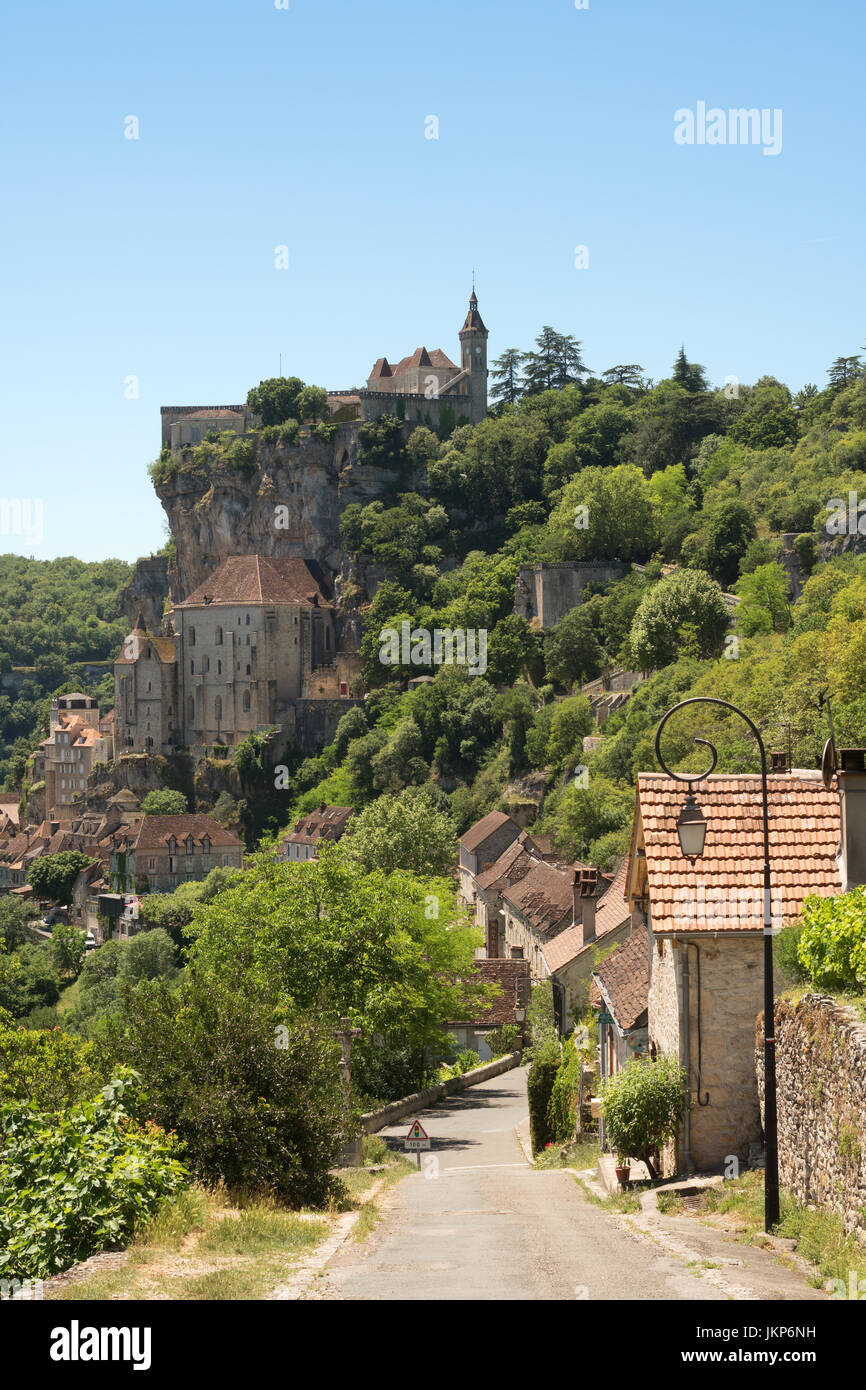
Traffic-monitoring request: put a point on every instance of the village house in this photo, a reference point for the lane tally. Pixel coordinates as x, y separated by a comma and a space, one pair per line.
303, 840
164, 851
76, 742
601, 920
705, 926
621, 993
481, 846
509, 1007
510, 868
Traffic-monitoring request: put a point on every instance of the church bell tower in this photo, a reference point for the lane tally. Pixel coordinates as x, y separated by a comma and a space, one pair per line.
473, 358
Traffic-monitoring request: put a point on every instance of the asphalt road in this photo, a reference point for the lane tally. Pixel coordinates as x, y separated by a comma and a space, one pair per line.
480, 1223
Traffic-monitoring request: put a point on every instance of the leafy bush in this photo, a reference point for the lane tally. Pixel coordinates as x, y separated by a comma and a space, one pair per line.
75, 1183
503, 1040
832, 947
643, 1105
541, 1021
561, 1113
539, 1087
43, 1069
256, 1107
164, 802
464, 1061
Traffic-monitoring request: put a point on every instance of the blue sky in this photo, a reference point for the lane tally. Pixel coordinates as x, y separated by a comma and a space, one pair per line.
305, 127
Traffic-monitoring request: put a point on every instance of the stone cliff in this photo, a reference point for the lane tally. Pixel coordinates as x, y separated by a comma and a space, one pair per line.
277, 498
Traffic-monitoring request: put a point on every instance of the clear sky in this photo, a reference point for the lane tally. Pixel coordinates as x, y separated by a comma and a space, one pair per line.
305, 127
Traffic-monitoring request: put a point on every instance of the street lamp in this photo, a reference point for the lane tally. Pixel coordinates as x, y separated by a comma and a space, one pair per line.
691, 830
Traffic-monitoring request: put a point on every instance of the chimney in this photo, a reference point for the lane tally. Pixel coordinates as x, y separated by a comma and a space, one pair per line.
851, 779
585, 895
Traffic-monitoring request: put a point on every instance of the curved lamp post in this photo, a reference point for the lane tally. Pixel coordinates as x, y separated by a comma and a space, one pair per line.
691, 831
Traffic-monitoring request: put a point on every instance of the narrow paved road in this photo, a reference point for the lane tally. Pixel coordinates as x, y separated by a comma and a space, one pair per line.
490, 1226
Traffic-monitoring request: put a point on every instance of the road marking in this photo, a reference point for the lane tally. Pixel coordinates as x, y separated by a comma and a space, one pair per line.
476, 1167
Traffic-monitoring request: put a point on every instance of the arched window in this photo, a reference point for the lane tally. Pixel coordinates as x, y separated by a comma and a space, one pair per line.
205, 664
219, 668
191, 636
219, 636
246, 701
248, 620
192, 668
218, 709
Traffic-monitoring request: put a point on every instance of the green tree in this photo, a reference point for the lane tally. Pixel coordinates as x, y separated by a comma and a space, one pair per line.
555, 363
53, 876
164, 802
506, 377
765, 605
682, 614
643, 1107
571, 721
408, 831
68, 946
572, 651
276, 400
604, 514
313, 403
688, 374
14, 917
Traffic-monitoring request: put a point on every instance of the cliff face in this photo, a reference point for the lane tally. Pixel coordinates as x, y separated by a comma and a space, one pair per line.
146, 592
286, 501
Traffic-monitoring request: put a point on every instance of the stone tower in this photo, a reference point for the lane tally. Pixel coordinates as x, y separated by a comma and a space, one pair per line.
473, 358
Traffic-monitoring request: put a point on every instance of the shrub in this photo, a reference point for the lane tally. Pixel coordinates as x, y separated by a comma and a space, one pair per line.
541, 1021
539, 1087
73, 1184
463, 1062
832, 947
561, 1113
503, 1040
643, 1106
256, 1109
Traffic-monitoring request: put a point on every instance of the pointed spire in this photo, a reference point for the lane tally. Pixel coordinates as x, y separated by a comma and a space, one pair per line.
474, 322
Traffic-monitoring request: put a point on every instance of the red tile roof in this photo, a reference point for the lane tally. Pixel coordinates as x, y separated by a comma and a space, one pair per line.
722, 891
479, 832
510, 867
612, 910
325, 823
624, 979
154, 832
513, 976
544, 896
254, 579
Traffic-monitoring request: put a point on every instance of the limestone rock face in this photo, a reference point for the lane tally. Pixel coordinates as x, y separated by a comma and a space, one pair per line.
287, 501
146, 592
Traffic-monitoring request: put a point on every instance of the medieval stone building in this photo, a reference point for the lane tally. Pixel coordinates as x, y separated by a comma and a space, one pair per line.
249, 643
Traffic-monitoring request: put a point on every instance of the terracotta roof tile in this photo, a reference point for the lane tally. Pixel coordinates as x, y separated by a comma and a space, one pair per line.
254, 579
722, 891
154, 832
478, 833
624, 979
544, 896
513, 976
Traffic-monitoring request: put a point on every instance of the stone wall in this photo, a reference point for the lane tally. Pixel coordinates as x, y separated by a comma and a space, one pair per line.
724, 1119
548, 592
821, 1086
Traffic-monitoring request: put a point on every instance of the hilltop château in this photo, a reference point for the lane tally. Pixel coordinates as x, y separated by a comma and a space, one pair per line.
425, 388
